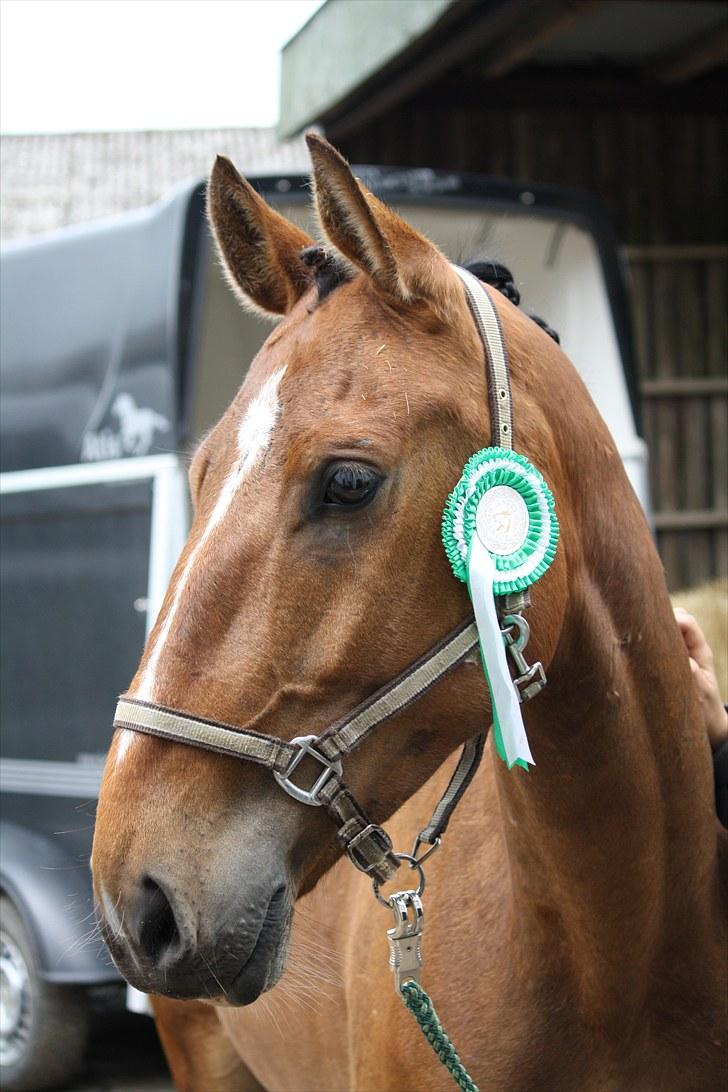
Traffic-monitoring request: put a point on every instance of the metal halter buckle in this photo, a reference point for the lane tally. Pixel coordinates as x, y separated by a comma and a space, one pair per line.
306, 746
371, 833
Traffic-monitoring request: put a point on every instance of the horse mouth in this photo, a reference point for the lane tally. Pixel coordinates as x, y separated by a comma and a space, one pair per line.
266, 961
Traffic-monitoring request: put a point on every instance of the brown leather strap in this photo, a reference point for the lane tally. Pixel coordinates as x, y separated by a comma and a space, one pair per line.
210, 735
339, 739
462, 775
343, 736
367, 845
496, 358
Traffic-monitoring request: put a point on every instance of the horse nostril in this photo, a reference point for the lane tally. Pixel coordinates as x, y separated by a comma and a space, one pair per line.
158, 932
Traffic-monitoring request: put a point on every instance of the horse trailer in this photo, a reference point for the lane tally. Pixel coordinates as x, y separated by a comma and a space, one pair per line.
121, 344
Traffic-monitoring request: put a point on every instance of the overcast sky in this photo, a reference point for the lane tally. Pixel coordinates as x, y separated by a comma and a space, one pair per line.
73, 65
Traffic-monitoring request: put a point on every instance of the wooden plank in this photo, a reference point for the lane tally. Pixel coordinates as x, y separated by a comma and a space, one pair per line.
690, 319
641, 301
684, 177
540, 86
714, 180
649, 431
690, 519
685, 387
667, 455
718, 419
716, 293
666, 452
606, 174
668, 546
676, 252
664, 292
655, 185
707, 50
497, 141
638, 168
546, 22
525, 144
696, 558
695, 468
720, 553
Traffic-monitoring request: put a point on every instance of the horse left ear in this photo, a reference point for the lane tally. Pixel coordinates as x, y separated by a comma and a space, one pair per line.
403, 264
260, 249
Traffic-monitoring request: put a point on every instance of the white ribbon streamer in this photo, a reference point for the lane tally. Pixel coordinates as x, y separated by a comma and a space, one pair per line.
506, 706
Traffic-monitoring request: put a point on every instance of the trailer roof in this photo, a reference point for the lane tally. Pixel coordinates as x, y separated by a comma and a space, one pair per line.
97, 322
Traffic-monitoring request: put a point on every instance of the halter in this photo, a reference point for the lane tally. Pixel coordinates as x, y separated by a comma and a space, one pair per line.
368, 845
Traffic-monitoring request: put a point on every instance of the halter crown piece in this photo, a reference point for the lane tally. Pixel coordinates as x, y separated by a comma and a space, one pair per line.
500, 533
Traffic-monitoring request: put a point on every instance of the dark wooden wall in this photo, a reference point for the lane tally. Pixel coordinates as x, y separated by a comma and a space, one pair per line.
662, 174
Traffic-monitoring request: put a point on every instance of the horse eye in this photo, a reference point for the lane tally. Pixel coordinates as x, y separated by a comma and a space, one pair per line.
351, 485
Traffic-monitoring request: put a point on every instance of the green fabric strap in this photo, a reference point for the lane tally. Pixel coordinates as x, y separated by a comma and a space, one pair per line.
420, 1005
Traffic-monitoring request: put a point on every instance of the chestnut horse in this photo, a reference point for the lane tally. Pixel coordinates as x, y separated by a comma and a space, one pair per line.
576, 922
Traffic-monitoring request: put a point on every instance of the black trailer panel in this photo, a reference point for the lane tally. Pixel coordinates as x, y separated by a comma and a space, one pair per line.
89, 332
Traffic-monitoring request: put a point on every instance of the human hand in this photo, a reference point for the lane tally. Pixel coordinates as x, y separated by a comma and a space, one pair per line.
706, 683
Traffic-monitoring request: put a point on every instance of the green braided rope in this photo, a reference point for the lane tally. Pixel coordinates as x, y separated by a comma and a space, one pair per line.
420, 1005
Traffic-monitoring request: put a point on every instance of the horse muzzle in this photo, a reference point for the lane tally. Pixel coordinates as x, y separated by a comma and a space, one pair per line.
162, 943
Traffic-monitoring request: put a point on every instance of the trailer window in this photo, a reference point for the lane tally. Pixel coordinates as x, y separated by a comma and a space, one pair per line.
74, 569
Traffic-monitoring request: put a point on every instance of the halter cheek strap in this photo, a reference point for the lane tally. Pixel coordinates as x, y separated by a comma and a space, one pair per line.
496, 358
368, 846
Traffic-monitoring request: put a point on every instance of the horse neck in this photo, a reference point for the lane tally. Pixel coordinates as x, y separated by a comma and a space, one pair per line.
611, 839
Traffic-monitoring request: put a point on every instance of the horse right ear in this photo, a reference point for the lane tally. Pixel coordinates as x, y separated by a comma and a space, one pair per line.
260, 249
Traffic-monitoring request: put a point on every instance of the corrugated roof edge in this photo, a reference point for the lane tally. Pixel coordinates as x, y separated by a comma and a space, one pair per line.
55, 180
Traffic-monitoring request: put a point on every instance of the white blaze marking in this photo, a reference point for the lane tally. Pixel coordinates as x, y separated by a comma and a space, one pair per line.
126, 738
254, 436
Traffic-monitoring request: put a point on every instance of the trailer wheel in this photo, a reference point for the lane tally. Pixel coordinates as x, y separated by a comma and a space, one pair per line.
43, 1028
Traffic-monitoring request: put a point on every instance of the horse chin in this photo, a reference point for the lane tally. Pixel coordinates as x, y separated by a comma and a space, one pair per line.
265, 964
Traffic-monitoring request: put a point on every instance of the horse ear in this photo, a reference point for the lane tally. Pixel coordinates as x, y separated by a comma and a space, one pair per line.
402, 263
260, 249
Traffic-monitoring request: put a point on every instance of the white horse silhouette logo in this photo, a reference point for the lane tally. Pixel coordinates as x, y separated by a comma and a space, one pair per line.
137, 424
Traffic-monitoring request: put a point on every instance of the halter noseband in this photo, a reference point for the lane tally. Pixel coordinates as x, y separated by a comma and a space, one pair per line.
368, 846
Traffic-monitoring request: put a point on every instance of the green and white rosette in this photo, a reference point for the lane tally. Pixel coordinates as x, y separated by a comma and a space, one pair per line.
500, 533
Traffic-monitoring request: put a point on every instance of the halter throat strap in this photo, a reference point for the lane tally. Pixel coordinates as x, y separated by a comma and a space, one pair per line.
367, 844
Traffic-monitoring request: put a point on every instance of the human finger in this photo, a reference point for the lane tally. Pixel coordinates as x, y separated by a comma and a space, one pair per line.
694, 638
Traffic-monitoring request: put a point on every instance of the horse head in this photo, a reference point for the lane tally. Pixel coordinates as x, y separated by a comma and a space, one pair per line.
314, 573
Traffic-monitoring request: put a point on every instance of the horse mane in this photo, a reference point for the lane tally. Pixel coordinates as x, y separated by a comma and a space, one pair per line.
500, 277
331, 270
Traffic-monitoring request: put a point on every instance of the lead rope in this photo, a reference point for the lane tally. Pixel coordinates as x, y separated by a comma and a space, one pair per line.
405, 961
419, 1003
